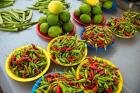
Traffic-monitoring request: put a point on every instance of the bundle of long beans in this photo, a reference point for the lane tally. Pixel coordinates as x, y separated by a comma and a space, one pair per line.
5, 3
42, 5
14, 20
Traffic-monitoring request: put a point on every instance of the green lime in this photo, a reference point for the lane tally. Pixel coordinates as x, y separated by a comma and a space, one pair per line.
68, 27
44, 27
65, 16
85, 9
107, 4
42, 19
98, 18
85, 18
52, 19
96, 10
54, 31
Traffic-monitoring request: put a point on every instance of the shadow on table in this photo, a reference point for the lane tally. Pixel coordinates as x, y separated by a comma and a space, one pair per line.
1, 90
104, 54
130, 41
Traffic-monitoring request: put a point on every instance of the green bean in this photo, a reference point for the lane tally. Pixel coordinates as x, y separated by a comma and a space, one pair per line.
15, 20
42, 5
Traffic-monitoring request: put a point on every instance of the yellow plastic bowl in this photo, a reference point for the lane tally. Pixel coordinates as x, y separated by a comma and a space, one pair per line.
13, 76
120, 85
48, 50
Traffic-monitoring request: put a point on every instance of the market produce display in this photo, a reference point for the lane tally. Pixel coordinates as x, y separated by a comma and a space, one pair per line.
58, 82
27, 62
133, 16
6, 3
43, 5
92, 75
14, 20
122, 27
97, 37
87, 14
56, 22
99, 76
67, 50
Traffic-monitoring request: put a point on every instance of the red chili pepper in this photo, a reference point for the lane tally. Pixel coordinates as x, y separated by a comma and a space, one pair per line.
49, 79
34, 47
85, 36
109, 90
22, 59
58, 89
90, 87
90, 59
38, 55
56, 75
92, 73
54, 48
95, 88
91, 34
101, 72
23, 75
100, 34
104, 65
53, 56
92, 66
71, 58
30, 59
13, 59
84, 65
80, 76
68, 49
70, 83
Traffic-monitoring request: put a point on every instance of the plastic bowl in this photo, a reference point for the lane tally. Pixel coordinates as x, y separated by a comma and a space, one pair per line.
46, 37
92, 47
13, 76
120, 85
83, 24
114, 8
48, 50
37, 83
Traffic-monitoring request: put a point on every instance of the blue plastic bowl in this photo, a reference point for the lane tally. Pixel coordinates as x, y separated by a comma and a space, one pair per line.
37, 83
92, 47
114, 8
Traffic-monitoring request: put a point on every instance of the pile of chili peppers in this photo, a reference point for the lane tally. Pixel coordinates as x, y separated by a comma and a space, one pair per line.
59, 83
98, 76
28, 62
133, 16
98, 36
122, 27
68, 50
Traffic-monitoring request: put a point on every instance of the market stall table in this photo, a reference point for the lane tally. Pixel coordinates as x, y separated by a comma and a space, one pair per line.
125, 54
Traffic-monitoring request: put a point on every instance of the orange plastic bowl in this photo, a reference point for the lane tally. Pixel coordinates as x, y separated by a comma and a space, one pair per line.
13, 76
59, 63
120, 85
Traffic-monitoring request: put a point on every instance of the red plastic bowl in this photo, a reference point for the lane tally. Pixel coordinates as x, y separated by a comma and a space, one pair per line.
83, 24
46, 37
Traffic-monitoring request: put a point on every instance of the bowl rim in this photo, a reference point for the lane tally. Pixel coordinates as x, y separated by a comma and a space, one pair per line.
83, 24
120, 85
46, 37
14, 77
35, 86
59, 63
99, 49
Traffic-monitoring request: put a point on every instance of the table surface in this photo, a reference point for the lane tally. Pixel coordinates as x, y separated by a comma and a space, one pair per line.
125, 54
